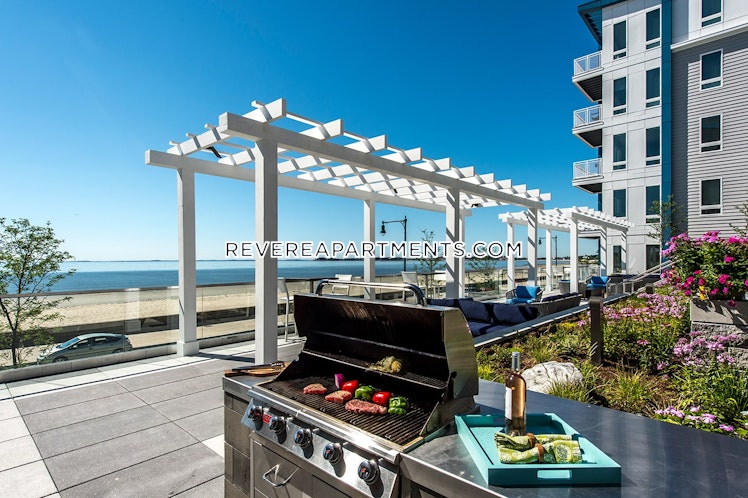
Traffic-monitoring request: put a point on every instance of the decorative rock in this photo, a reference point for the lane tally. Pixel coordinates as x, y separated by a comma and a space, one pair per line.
540, 377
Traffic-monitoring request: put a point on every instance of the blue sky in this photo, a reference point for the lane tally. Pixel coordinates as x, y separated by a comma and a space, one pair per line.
89, 86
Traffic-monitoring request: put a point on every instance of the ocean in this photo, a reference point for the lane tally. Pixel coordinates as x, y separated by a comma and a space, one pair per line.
111, 275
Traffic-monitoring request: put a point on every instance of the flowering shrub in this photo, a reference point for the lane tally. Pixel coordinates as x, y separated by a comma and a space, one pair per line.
709, 267
698, 418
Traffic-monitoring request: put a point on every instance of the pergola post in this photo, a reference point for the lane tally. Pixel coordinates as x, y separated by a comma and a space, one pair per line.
453, 235
461, 275
266, 274
574, 256
187, 342
603, 252
548, 261
532, 246
510, 277
369, 236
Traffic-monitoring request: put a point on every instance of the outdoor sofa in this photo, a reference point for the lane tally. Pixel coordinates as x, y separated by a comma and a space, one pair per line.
485, 318
554, 304
523, 294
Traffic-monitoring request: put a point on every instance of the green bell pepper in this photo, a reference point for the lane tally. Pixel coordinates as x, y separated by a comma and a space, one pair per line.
396, 411
398, 402
365, 393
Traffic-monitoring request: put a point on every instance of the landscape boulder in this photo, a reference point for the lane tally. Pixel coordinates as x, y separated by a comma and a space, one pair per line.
540, 377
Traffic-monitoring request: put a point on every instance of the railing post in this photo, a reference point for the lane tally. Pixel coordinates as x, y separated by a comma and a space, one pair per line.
596, 329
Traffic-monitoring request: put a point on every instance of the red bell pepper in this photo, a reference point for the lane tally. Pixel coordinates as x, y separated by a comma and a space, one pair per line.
350, 386
381, 398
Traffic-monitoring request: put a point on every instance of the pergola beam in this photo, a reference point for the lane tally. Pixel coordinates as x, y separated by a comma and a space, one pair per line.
239, 126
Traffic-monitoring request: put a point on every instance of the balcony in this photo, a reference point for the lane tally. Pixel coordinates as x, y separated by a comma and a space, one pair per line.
587, 176
588, 125
588, 76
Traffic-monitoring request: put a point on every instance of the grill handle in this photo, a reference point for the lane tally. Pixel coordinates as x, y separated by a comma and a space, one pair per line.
417, 292
274, 471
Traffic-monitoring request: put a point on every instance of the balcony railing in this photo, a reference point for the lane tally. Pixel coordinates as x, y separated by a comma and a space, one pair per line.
587, 116
584, 169
587, 63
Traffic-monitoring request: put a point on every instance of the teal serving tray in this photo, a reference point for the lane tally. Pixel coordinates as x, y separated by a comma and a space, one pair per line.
477, 434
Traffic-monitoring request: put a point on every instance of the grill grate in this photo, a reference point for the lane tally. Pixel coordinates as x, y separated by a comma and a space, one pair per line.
399, 429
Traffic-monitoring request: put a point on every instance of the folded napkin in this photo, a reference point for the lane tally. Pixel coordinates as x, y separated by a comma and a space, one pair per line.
543, 448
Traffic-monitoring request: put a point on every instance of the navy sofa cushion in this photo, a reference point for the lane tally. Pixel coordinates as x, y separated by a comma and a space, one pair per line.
479, 328
508, 314
476, 311
449, 302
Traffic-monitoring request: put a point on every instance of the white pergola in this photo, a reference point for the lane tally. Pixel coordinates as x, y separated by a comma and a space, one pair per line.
273, 148
573, 220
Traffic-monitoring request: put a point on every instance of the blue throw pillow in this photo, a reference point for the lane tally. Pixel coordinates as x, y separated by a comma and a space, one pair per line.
525, 292
475, 311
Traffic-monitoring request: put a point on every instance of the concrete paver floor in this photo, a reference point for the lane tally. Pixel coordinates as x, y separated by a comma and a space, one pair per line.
147, 428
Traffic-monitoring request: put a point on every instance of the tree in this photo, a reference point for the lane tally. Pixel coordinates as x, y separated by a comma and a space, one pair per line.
429, 263
486, 268
670, 223
742, 231
30, 258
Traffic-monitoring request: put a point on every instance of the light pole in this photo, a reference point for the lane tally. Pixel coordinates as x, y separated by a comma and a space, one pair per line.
404, 223
555, 247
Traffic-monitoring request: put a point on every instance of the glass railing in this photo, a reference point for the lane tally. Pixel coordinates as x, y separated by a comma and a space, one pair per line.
149, 317
584, 169
587, 63
588, 115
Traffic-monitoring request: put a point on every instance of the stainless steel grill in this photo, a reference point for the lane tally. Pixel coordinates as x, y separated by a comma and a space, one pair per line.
346, 336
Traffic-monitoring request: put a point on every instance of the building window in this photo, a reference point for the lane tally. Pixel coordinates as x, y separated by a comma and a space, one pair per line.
653, 28
711, 133
619, 96
653, 146
619, 203
653, 87
711, 196
619, 40
617, 259
711, 70
619, 151
653, 256
653, 204
711, 12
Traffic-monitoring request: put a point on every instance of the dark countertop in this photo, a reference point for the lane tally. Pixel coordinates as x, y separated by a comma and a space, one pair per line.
656, 458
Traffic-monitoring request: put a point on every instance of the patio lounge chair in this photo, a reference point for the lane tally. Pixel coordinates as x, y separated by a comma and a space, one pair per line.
523, 294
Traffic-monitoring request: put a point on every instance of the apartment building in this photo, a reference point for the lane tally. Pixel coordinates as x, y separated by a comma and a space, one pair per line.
668, 120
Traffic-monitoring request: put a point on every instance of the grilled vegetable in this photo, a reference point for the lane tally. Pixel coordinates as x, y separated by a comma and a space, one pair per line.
389, 364
398, 405
381, 398
339, 381
350, 386
365, 393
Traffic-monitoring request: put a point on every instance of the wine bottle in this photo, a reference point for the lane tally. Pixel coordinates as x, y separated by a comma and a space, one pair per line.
514, 400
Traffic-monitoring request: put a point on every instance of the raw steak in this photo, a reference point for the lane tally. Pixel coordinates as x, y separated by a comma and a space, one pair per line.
315, 389
361, 406
339, 397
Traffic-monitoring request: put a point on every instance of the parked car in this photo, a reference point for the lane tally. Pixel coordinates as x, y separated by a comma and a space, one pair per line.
85, 346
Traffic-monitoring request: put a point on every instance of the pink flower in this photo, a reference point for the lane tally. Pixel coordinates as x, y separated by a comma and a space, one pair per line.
723, 278
729, 259
731, 302
701, 282
697, 272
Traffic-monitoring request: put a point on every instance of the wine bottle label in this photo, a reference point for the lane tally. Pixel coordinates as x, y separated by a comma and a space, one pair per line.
508, 403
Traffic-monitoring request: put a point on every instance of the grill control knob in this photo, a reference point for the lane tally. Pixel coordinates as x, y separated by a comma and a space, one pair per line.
333, 452
302, 437
277, 425
255, 413
368, 470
